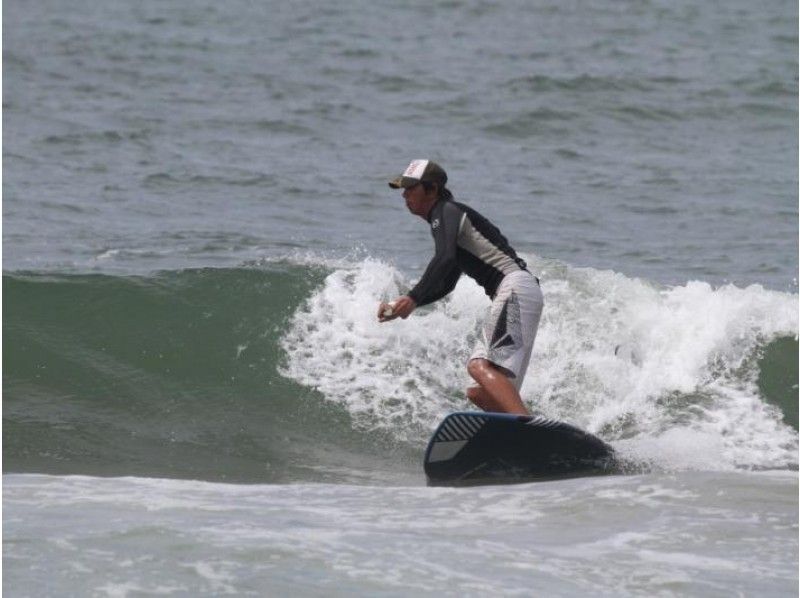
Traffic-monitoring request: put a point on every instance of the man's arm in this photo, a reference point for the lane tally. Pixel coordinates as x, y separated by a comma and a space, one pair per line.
442, 273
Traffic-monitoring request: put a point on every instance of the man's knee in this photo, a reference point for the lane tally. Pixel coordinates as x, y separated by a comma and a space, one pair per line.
477, 368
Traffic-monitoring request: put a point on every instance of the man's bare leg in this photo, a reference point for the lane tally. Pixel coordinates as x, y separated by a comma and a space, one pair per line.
494, 392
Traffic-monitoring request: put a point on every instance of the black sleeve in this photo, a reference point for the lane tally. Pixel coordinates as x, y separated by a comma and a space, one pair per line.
442, 273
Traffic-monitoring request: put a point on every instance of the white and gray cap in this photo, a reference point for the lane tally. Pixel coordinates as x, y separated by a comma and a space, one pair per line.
420, 171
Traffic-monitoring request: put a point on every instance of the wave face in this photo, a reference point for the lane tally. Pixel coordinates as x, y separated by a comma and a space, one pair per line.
281, 372
172, 375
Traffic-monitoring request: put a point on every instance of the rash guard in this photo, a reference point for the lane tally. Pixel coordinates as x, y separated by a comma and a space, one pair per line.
465, 242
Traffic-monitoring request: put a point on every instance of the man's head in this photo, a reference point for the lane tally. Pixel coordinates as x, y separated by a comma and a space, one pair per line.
423, 183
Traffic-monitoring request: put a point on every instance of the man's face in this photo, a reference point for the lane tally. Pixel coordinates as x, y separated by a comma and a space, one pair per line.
419, 201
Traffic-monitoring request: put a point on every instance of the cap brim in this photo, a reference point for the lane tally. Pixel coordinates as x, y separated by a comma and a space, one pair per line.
402, 182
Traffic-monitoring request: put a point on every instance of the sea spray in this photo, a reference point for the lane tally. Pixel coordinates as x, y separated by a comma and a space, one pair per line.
693, 366
686, 385
402, 375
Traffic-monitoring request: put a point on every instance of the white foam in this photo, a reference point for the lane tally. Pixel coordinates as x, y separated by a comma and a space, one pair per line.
402, 374
220, 580
264, 539
682, 391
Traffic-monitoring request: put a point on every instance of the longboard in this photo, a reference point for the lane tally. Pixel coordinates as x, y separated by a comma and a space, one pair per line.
484, 448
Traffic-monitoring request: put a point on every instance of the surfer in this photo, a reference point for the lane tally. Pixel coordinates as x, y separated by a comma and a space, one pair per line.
467, 242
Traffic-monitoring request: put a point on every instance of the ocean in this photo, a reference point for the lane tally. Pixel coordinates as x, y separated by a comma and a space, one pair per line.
198, 399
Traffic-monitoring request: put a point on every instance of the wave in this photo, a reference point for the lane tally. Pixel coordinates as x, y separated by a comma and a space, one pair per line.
660, 372
170, 375
280, 372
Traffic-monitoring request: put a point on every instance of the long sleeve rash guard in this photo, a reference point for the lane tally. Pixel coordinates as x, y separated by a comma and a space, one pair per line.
465, 242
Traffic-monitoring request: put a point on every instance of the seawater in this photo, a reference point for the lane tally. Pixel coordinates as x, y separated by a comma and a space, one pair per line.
306, 421
703, 534
654, 139
197, 399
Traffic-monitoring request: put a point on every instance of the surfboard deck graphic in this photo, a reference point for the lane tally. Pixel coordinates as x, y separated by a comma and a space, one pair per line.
484, 448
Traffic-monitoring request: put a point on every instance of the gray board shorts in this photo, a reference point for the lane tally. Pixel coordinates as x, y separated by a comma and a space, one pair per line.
508, 333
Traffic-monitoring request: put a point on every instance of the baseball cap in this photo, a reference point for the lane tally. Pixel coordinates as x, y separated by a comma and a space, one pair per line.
420, 171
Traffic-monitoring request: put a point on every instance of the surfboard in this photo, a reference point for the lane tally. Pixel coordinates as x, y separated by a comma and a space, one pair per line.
484, 448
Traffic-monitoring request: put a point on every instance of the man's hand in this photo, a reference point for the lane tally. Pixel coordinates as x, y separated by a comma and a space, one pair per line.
399, 308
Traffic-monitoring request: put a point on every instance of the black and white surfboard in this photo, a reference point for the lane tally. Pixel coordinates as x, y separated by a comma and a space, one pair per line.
477, 448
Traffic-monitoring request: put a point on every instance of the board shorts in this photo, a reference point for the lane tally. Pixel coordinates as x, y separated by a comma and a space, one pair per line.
507, 335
